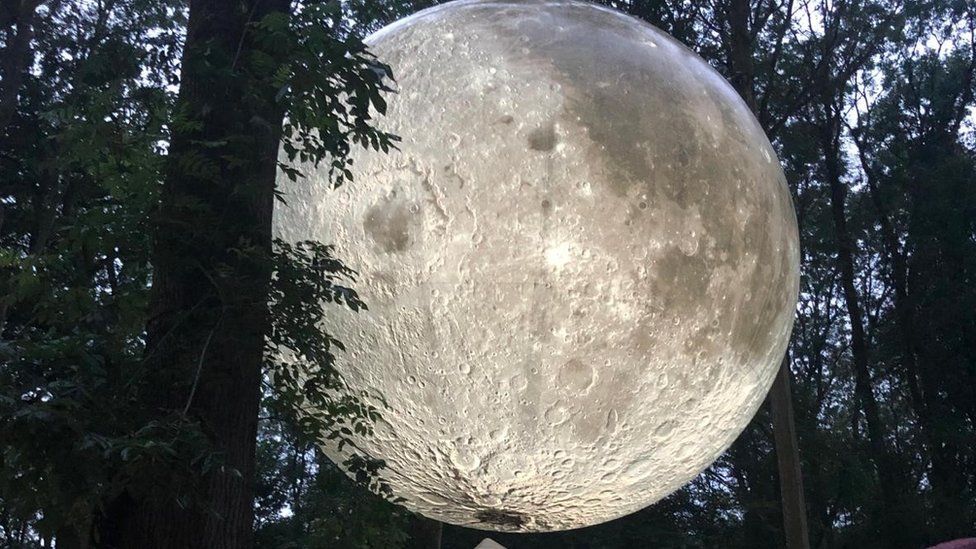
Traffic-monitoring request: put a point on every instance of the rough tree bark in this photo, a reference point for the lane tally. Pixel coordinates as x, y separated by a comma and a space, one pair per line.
208, 306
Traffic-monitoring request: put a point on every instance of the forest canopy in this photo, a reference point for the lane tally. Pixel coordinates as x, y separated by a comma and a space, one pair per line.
142, 328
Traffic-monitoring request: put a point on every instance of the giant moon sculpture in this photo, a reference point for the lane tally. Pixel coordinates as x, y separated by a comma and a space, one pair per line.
581, 267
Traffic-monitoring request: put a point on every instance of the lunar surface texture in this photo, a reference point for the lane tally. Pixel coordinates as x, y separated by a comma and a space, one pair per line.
581, 266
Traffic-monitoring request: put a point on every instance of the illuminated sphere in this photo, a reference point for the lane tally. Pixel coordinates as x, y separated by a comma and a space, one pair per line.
581, 266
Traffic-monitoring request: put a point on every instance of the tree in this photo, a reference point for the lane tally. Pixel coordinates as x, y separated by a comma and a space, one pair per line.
208, 311
17, 19
913, 158
867, 102
304, 500
80, 160
152, 396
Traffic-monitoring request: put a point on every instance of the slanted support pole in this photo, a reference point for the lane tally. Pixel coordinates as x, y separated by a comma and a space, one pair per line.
788, 460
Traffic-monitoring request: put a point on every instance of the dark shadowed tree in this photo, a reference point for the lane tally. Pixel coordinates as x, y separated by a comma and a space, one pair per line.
129, 416
244, 67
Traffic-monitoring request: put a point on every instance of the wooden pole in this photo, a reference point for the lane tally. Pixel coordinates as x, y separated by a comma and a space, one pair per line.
788, 460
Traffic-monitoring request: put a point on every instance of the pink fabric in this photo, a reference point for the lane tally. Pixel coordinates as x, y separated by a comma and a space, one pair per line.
967, 543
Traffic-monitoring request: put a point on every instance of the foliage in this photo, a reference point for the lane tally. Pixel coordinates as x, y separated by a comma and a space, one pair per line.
305, 389
883, 89
83, 158
330, 87
322, 507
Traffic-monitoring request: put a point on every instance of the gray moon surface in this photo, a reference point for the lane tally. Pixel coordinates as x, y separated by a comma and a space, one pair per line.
581, 266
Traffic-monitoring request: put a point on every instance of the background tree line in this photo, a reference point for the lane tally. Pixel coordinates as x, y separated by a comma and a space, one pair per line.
137, 160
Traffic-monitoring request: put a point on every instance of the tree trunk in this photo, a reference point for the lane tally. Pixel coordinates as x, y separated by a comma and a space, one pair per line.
899, 279
208, 307
947, 486
15, 58
741, 45
932, 271
889, 481
788, 460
